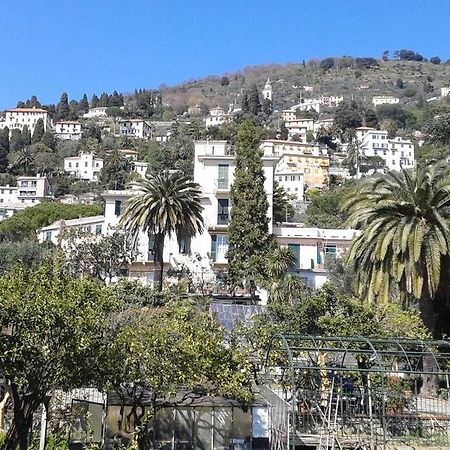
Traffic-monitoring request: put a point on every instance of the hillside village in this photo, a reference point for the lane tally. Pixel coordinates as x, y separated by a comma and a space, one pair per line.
81, 152
257, 260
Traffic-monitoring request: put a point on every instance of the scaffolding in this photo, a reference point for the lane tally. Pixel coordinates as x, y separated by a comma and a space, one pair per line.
359, 393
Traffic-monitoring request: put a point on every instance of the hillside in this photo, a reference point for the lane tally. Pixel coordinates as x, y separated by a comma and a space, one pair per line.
348, 77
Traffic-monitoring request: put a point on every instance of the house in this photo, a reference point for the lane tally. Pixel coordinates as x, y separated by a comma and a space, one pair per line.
94, 113
134, 128
312, 248
396, 153
291, 179
310, 159
140, 167
85, 166
55, 231
17, 118
68, 129
216, 117
385, 100
29, 192
306, 105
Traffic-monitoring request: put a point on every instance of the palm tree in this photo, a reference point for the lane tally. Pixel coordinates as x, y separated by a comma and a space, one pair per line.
167, 203
405, 239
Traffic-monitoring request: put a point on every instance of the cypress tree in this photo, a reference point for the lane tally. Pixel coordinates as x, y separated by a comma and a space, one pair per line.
94, 101
4, 149
26, 136
62, 109
254, 104
244, 103
38, 131
16, 141
104, 100
83, 104
248, 231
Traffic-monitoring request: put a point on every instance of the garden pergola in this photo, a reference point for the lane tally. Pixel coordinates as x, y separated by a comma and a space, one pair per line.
354, 392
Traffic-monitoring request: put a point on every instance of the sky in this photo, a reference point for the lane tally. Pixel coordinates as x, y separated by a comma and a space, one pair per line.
91, 46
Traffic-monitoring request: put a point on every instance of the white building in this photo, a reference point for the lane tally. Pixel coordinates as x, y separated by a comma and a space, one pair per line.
396, 153
445, 91
312, 248
385, 100
29, 192
85, 166
267, 91
140, 167
17, 118
55, 231
96, 112
216, 117
291, 179
135, 128
306, 105
68, 129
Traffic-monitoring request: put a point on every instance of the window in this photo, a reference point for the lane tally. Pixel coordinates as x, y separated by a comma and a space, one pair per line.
76, 164
184, 246
213, 247
98, 229
222, 181
329, 249
70, 164
296, 250
222, 211
48, 236
117, 207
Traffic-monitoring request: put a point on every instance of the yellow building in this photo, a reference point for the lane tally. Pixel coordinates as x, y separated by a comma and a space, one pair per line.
310, 159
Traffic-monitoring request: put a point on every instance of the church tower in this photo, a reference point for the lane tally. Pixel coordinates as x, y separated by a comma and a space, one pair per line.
267, 91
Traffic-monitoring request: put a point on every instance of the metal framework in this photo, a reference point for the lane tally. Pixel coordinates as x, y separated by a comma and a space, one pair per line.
357, 393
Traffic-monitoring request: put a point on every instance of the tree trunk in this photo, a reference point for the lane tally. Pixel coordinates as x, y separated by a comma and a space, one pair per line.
428, 316
19, 431
159, 261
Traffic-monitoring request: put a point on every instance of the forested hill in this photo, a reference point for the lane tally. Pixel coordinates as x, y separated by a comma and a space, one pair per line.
361, 78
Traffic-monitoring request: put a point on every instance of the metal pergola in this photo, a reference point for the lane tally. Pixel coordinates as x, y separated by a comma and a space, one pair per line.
355, 392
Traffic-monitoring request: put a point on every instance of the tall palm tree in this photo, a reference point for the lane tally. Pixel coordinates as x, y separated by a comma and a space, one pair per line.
167, 203
405, 239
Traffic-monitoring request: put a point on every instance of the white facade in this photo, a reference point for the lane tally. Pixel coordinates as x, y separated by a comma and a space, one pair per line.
96, 112
312, 247
68, 129
385, 100
84, 166
216, 117
291, 180
267, 91
55, 231
135, 128
17, 118
140, 167
396, 153
29, 192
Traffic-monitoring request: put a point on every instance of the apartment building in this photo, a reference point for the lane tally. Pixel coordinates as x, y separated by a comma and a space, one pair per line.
313, 248
397, 153
310, 159
17, 118
68, 129
29, 192
134, 128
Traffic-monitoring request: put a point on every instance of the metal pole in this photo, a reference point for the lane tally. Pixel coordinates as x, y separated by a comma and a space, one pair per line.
43, 434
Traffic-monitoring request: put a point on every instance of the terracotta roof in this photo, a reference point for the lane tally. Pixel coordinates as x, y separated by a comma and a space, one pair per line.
27, 110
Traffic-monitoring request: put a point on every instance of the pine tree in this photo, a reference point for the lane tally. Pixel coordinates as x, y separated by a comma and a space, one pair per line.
38, 131
248, 231
83, 104
94, 101
62, 109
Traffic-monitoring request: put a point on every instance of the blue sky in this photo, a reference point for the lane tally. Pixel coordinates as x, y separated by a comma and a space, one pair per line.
100, 45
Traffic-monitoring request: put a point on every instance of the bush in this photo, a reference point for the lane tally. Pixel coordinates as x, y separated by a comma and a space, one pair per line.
327, 64
409, 92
